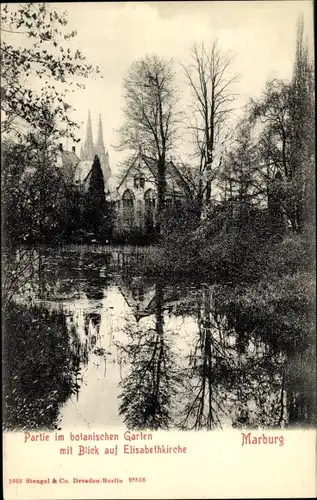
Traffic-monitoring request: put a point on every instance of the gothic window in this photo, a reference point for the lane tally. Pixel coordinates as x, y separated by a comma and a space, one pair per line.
142, 182
136, 181
169, 203
178, 203
149, 207
128, 206
149, 197
139, 208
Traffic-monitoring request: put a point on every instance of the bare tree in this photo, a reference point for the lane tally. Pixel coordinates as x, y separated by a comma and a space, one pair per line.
211, 88
150, 115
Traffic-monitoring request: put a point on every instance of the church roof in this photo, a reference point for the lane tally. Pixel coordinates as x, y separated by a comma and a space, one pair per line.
69, 158
69, 162
82, 171
151, 163
174, 298
171, 168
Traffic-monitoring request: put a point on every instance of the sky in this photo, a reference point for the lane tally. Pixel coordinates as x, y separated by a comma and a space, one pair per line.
112, 35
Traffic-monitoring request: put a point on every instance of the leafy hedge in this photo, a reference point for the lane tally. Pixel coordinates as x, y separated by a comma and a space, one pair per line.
39, 367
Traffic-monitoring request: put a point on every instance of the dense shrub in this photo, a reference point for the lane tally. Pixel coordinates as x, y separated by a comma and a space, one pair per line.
39, 367
231, 249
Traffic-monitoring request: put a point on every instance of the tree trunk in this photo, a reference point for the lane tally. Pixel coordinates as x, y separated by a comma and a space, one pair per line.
161, 192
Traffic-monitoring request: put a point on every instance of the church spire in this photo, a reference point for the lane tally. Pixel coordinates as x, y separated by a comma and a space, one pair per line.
100, 145
88, 130
88, 149
101, 152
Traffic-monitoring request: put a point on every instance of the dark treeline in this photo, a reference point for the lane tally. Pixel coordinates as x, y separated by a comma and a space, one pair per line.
41, 203
40, 207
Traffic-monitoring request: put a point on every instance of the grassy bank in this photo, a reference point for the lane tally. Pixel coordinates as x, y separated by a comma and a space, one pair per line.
231, 256
266, 286
282, 313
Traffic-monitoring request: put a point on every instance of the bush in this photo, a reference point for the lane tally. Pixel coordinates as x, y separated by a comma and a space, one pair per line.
229, 249
39, 367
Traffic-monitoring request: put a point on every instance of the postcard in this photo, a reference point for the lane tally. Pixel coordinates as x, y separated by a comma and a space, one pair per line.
158, 291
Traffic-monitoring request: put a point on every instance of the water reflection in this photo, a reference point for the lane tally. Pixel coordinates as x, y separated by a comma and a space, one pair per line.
149, 355
208, 374
147, 390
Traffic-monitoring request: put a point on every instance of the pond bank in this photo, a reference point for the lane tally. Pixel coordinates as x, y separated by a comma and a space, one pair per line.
92, 342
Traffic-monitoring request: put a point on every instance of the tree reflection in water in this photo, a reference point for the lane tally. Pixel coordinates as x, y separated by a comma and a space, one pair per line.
148, 389
205, 376
232, 371
232, 375
244, 364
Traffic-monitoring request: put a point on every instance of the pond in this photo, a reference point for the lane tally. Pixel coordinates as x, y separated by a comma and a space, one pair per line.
127, 351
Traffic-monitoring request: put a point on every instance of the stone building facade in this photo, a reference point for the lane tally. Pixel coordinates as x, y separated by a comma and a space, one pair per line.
135, 197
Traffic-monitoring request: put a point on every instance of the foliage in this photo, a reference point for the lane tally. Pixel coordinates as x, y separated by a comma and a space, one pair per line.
95, 201
33, 40
39, 204
231, 248
32, 189
246, 236
39, 367
240, 178
286, 142
35, 190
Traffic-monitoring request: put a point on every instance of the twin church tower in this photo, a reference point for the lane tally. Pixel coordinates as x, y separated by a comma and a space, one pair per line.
88, 150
